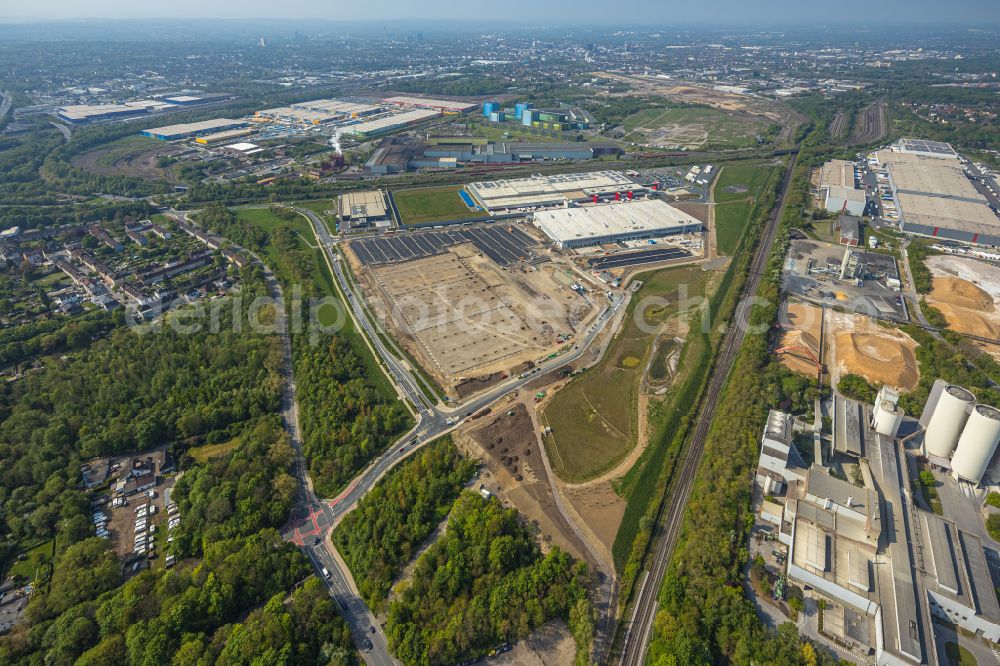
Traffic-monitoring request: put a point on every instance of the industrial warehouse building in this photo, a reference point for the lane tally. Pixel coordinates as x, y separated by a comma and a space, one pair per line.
219, 137
836, 186
933, 195
186, 130
380, 126
317, 112
362, 208
440, 105
81, 114
614, 222
555, 190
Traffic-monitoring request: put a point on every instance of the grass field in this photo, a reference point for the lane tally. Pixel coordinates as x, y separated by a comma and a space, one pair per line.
320, 208
431, 204
693, 127
513, 131
594, 419
735, 192
203, 454
37, 556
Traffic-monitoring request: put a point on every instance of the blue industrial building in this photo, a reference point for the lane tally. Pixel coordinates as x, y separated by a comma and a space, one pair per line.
490, 108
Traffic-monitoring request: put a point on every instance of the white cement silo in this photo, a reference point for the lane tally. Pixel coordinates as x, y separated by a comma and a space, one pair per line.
886, 418
977, 444
948, 420
886, 414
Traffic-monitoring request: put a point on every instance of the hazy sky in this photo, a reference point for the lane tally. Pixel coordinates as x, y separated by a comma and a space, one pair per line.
618, 12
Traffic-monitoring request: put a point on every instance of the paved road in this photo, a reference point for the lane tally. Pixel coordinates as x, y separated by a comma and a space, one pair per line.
640, 626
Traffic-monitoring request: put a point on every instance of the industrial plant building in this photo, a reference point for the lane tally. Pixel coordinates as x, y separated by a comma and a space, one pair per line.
360, 209
444, 152
187, 130
883, 566
555, 190
380, 126
622, 221
558, 120
933, 195
440, 105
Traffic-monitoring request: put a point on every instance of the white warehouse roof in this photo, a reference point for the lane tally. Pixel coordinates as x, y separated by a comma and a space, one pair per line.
593, 225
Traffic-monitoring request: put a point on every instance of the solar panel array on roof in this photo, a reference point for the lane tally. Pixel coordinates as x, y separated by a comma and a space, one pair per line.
925, 146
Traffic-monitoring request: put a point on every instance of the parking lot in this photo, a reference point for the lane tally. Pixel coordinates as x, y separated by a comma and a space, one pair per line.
506, 245
638, 258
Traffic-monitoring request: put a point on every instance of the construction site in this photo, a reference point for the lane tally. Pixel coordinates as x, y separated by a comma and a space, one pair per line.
464, 315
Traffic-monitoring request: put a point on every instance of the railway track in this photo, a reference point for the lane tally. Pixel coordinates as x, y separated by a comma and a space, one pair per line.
871, 125
640, 625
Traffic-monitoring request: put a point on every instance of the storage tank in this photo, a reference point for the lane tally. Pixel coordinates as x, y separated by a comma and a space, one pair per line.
946, 423
977, 444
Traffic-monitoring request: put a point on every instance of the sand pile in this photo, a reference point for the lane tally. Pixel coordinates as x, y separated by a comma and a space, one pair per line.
967, 292
961, 293
881, 359
969, 321
801, 324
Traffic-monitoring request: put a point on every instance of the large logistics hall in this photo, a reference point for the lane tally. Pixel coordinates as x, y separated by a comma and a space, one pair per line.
380, 126
186, 130
442, 105
317, 112
554, 190
934, 196
614, 222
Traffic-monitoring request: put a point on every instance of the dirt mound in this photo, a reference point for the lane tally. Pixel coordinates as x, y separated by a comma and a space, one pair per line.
801, 324
961, 293
880, 359
967, 320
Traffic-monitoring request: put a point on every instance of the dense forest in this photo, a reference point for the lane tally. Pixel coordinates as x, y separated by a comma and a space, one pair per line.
127, 392
195, 613
381, 535
347, 419
239, 494
482, 583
